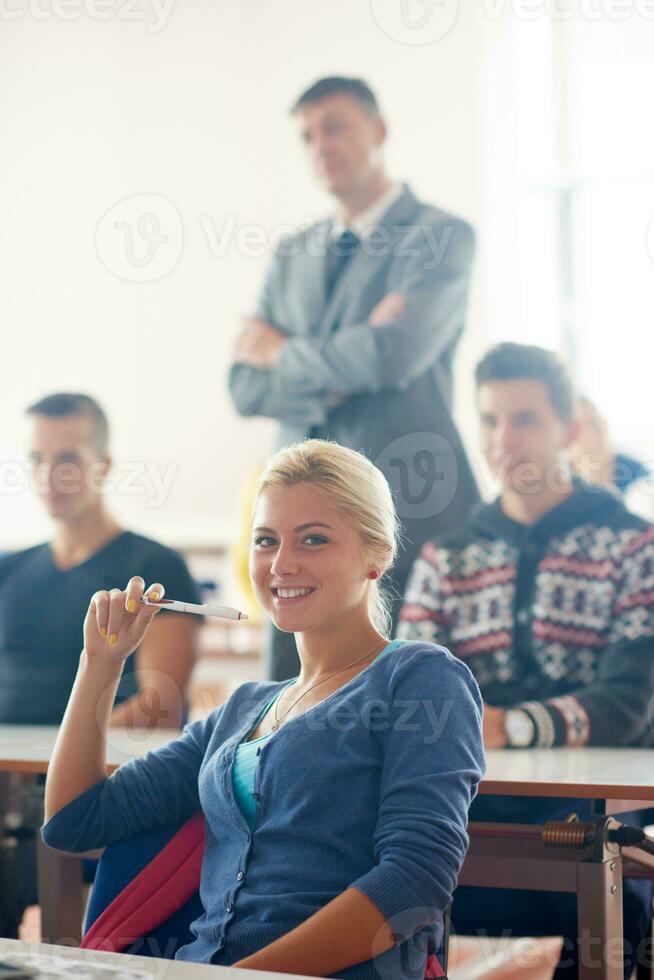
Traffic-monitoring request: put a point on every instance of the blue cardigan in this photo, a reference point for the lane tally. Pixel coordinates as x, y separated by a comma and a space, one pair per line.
368, 789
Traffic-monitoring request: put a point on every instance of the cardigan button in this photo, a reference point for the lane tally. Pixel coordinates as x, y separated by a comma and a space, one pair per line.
229, 907
240, 876
522, 616
256, 797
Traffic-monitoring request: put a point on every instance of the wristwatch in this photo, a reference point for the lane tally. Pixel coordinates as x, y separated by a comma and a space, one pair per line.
519, 728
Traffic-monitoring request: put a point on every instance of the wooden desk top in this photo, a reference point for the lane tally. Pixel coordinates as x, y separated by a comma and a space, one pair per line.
615, 774
588, 773
140, 966
28, 748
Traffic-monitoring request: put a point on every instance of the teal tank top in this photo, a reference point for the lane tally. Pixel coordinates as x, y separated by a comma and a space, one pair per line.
247, 753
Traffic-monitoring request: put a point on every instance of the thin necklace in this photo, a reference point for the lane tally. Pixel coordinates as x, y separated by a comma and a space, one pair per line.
277, 721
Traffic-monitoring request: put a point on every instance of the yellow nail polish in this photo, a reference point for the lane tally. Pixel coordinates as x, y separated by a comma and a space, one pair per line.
131, 605
113, 639
154, 596
103, 632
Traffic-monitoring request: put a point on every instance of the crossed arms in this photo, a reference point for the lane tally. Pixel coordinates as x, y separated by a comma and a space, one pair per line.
298, 378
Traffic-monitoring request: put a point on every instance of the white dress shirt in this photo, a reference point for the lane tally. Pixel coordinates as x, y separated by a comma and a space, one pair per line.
364, 223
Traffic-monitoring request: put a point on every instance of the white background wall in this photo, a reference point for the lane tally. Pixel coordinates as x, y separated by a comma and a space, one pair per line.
195, 111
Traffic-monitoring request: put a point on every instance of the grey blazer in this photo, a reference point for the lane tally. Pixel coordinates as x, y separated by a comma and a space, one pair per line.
395, 381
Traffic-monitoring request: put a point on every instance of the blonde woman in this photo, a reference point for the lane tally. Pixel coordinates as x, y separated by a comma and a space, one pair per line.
336, 803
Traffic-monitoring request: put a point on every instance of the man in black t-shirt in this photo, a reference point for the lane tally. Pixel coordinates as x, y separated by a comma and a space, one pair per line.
45, 592
42, 608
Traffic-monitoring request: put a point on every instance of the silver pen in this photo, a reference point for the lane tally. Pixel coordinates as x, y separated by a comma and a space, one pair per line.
220, 612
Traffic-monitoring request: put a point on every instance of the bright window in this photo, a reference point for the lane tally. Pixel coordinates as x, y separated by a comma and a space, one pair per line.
570, 205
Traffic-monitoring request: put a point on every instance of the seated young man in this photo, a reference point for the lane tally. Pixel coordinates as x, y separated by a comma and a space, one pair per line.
45, 591
547, 594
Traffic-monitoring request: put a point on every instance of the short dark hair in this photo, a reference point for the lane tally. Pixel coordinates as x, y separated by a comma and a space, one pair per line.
336, 85
63, 404
510, 362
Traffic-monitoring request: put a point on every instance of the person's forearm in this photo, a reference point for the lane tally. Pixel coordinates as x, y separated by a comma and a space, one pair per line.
603, 714
256, 392
348, 930
138, 712
124, 715
79, 758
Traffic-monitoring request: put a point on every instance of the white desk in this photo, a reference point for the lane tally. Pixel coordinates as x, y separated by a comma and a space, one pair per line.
516, 856
608, 775
159, 969
28, 748
603, 774
617, 780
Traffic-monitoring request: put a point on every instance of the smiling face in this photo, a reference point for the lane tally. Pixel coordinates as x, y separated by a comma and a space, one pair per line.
343, 141
307, 564
523, 438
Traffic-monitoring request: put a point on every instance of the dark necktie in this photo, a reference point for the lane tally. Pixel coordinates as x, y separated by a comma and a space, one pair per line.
339, 252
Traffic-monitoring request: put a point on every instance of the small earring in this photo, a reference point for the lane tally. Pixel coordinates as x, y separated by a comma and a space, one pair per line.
373, 574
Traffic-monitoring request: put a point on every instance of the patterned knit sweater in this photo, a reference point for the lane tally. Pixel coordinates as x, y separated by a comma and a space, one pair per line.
556, 617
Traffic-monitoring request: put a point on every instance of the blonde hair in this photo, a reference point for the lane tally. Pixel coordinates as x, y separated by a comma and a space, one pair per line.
357, 490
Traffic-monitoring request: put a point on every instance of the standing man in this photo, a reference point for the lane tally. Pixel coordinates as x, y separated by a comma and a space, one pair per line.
356, 328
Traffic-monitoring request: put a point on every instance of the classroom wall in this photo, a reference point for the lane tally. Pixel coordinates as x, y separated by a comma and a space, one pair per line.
183, 114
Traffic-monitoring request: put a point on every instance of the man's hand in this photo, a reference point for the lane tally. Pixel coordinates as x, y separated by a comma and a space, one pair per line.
494, 734
259, 344
387, 310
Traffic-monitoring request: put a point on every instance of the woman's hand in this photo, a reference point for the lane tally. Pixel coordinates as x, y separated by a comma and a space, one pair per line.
117, 621
115, 624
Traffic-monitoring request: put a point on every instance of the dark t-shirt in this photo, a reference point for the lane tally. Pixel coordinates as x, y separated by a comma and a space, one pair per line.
42, 610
